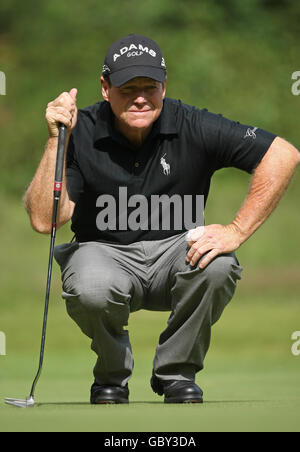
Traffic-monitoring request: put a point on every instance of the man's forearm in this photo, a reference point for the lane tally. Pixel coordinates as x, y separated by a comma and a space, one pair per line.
269, 182
38, 198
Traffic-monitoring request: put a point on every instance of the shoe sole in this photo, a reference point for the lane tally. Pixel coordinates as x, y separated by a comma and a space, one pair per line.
109, 401
185, 400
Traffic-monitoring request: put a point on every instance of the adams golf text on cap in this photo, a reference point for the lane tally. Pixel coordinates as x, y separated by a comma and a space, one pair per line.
134, 56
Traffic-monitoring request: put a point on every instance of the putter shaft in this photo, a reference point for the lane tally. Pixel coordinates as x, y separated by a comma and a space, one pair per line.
56, 194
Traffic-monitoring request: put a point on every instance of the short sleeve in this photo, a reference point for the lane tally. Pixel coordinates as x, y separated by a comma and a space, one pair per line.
75, 182
231, 144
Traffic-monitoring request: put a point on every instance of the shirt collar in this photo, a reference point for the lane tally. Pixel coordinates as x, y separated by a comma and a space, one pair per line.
167, 121
165, 124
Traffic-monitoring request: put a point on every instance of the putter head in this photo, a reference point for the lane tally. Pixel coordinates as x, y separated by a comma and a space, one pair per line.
29, 402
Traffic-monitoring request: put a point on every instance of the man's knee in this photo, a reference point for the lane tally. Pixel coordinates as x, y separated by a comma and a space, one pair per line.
98, 291
223, 270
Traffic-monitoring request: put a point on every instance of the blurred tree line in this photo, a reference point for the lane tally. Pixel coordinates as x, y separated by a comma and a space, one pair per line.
233, 57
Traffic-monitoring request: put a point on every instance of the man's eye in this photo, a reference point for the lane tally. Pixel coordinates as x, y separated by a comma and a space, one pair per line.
131, 90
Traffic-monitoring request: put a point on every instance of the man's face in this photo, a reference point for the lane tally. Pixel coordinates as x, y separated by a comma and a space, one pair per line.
137, 103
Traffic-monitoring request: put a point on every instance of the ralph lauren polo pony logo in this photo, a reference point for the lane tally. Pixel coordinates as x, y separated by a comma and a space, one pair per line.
166, 166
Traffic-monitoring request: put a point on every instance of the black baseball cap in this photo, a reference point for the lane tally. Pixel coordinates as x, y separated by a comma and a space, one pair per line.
134, 56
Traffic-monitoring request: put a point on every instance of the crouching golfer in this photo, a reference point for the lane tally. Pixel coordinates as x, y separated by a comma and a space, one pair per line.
138, 165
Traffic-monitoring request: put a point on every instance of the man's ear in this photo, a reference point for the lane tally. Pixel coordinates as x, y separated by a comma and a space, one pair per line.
164, 87
105, 88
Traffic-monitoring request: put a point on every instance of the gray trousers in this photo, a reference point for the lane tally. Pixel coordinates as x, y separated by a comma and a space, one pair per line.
103, 283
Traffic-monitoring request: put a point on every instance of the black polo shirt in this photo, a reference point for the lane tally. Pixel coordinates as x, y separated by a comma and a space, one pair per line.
177, 160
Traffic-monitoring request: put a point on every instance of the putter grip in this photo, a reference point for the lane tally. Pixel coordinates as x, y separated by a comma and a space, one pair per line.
60, 160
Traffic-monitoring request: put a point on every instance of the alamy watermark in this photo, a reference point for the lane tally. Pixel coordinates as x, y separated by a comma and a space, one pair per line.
159, 212
2, 84
296, 345
296, 85
2, 343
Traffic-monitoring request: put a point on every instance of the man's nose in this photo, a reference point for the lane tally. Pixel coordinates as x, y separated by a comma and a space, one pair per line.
140, 98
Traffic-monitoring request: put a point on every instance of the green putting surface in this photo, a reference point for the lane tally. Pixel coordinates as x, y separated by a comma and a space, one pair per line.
250, 382
240, 395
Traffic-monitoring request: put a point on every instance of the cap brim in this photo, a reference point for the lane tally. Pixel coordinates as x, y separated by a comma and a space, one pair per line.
118, 78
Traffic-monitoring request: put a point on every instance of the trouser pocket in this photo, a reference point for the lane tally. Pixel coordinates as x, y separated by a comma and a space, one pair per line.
62, 253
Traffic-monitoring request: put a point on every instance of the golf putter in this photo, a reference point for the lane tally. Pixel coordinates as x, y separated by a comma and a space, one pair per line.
29, 401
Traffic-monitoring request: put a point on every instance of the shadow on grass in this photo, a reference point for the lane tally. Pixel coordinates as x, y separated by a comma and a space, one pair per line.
208, 402
88, 403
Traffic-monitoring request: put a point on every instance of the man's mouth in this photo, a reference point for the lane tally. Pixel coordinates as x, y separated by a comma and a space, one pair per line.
139, 111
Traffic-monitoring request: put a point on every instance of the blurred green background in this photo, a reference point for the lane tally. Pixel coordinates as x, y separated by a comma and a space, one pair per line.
231, 57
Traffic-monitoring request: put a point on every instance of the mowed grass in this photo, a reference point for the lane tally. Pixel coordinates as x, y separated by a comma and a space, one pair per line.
250, 380
240, 395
